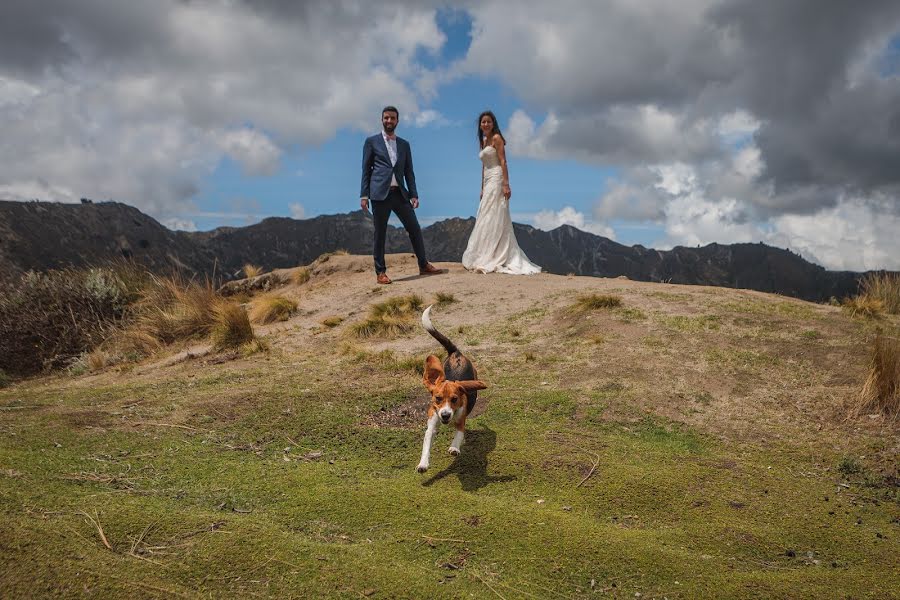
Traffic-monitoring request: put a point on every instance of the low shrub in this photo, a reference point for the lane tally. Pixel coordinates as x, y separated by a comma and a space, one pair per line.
48, 319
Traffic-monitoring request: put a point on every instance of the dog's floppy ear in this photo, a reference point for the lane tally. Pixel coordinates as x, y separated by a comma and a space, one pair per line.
471, 385
434, 372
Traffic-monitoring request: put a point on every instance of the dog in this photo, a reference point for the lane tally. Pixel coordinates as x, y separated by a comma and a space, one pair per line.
454, 389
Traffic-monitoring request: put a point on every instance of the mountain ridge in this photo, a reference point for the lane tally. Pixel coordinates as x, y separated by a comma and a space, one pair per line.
45, 235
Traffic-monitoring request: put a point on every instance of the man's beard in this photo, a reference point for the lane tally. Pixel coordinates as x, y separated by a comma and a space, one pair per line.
390, 128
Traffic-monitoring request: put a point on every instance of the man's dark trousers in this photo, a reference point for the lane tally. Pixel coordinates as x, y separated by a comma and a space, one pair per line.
381, 212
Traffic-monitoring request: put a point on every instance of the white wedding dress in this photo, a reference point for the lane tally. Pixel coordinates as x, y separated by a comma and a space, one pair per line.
492, 246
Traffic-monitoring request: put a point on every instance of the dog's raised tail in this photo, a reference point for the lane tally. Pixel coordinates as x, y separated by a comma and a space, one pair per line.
449, 346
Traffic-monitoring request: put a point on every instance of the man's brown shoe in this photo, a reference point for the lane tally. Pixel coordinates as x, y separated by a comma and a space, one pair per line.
383, 278
430, 269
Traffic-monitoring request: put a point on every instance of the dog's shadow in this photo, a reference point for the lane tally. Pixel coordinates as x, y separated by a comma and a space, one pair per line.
471, 464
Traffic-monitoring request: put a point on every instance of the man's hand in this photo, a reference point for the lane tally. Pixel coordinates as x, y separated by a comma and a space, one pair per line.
414, 202
364, 204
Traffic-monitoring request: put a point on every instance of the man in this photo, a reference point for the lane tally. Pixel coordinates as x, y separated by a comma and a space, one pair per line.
386, 167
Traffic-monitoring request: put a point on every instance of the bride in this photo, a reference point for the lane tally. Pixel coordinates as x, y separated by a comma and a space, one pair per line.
492, 245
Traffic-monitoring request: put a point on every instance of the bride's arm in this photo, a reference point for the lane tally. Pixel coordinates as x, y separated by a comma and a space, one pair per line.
500, 145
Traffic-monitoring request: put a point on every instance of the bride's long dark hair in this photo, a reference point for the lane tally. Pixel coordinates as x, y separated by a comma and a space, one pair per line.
496, 130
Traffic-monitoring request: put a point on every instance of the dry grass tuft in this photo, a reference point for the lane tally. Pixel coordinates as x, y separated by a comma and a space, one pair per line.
864, 306
443, 299
301, 276
332, 321
173, 309
598, 301
97, 359
252, 270
881, 390
269, 309
255, 346
231, 328
395, 316
883, 287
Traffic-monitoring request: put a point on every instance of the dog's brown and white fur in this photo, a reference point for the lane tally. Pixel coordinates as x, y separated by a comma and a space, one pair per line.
454, 388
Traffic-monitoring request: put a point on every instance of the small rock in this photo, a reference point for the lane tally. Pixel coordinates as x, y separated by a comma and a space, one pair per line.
790, 553
540, 501
567, 508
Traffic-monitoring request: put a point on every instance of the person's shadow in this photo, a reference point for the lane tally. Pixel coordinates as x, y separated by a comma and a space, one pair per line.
471, 464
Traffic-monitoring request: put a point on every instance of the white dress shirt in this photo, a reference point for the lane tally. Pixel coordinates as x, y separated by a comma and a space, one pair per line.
391, 143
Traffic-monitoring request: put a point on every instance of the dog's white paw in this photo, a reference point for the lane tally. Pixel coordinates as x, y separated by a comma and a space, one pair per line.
422, 467
453, 451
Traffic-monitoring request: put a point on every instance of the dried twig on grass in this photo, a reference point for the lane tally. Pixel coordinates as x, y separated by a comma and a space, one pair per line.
489, 586
593, 468
188, 427
96, 521
137, 541
596, 456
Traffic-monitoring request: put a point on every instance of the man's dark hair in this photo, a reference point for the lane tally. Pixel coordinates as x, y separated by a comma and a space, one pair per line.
392, 109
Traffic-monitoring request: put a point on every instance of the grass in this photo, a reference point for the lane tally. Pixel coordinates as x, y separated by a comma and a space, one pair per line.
273, 498
301, 275
269, 309
251, 271
595, 470
595, 301
882, 288
864, 306
881, 390
395, 316
231, 327
687, 324
443, 299
332, 322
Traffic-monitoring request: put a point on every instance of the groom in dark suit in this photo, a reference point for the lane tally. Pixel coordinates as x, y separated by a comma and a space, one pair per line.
387, 162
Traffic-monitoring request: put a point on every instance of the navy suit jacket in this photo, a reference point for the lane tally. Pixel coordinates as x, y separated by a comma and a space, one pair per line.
377, 169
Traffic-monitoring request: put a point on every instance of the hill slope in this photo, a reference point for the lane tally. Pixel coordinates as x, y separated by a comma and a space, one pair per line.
689, 443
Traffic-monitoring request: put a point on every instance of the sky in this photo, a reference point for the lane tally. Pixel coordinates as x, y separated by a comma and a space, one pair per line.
645, 121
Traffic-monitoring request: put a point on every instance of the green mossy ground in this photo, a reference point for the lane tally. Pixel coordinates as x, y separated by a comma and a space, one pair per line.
292, 474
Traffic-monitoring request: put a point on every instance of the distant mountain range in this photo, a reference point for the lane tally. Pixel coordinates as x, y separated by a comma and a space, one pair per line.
46, 235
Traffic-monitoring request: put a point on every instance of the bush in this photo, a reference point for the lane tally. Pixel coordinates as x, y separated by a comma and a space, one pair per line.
49, 319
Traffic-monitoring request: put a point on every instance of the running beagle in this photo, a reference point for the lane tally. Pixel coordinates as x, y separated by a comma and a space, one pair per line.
454, 388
